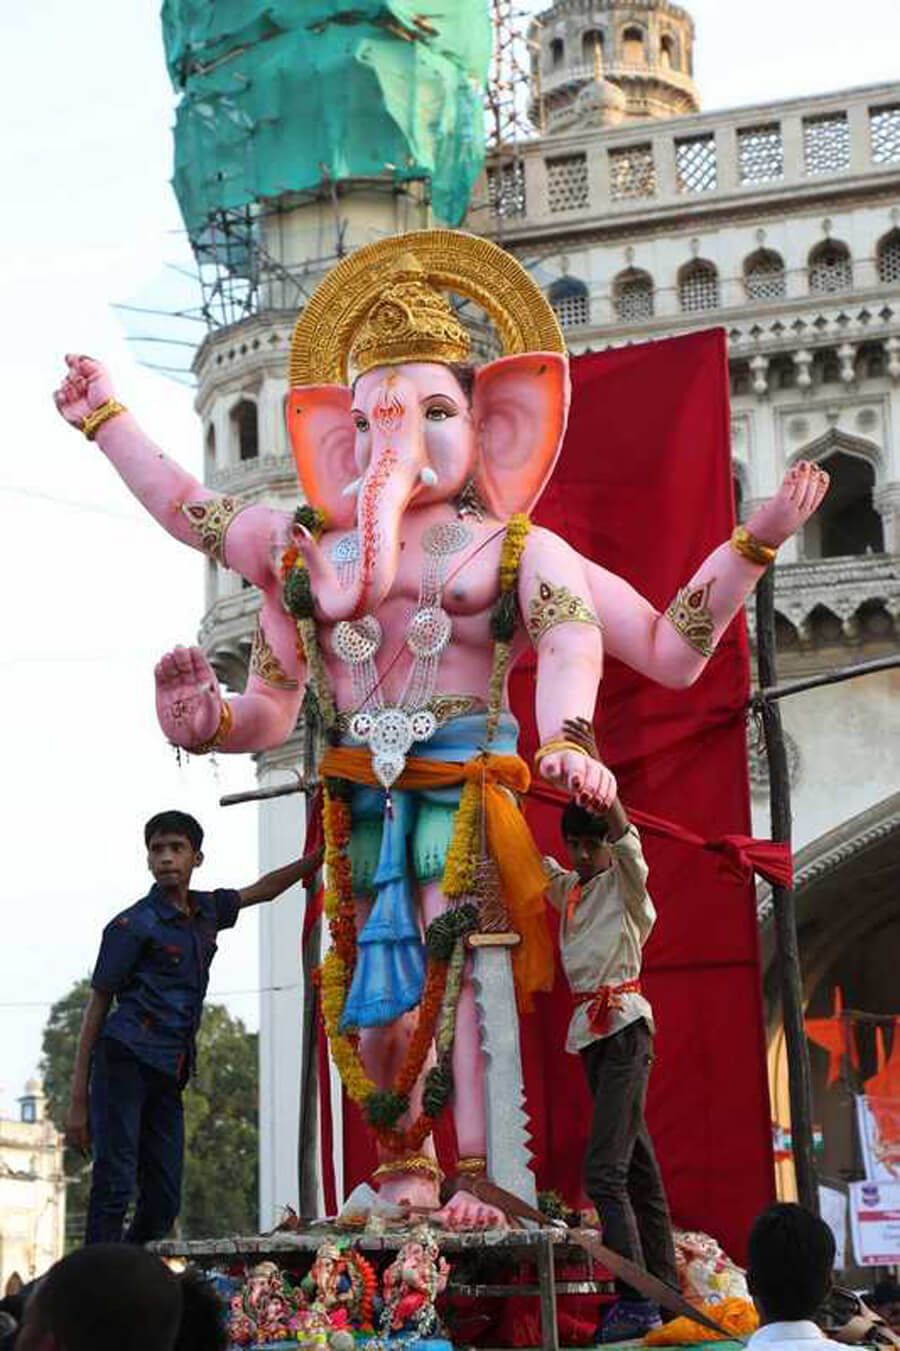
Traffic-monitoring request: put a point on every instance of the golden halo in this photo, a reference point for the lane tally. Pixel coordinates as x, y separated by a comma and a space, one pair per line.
453, 261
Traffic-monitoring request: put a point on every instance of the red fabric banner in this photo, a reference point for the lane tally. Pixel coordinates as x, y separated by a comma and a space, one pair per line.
643, 486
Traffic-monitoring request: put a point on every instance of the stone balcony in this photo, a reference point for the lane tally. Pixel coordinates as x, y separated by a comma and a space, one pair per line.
704, 165
269, 474
583, 72
836, 602
226, 635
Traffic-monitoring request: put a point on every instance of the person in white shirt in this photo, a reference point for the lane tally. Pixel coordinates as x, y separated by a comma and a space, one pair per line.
791, 1255
606, 917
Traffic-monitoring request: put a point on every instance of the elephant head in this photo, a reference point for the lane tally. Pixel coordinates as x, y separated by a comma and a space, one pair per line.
410, 435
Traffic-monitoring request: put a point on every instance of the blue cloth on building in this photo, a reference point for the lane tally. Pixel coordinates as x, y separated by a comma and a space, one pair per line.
155, 959
390, 964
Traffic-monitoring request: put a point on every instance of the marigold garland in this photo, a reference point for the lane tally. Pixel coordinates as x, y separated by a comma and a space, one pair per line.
504, 616
298, 601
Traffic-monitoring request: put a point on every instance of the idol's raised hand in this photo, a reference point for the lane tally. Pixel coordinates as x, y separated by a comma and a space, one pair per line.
86, 386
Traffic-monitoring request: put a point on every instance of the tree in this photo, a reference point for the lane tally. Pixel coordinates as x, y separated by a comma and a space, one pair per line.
57, 1063
221, 1121
221, 1109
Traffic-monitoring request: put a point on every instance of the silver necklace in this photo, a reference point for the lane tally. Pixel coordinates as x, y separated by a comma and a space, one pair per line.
390, 732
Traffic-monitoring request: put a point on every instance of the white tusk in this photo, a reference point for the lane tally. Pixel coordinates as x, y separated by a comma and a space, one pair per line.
351, 488
428, 476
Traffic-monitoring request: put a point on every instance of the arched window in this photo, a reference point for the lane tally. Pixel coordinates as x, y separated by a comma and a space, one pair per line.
668, 52
698, 286
557, 53
738, 490
633, 295
633, 50
830, 268
246, 429
888, 254
846, 522
570, 301
764, 277
592, 46
210, 448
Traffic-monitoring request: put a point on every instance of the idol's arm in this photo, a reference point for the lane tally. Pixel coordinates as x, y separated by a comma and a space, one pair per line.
186, 509
674, 647
555, 601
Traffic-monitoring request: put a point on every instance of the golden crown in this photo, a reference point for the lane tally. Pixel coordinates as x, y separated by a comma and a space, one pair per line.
385, 304
410, 321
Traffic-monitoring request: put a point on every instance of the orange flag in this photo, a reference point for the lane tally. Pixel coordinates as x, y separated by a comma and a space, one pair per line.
885, 1082
834, 1035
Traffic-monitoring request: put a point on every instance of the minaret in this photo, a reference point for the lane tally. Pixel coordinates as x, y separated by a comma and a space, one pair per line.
603, 62
297, 140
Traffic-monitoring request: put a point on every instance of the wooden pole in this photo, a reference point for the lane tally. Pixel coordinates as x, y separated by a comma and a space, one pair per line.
785, 916
308, 1169
835, 676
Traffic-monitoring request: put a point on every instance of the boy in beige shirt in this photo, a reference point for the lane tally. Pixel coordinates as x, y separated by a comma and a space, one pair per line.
606, 917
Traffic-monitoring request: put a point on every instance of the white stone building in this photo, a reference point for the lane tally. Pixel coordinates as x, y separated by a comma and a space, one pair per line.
32, 1190
781, 223
643, 217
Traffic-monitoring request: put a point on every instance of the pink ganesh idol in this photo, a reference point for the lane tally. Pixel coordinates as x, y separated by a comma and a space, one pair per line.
402, 592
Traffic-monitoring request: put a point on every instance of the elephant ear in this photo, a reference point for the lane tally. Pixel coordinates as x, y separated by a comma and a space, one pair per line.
521, 404
322, 439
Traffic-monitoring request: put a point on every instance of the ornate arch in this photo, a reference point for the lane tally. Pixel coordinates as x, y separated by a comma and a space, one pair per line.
836, 440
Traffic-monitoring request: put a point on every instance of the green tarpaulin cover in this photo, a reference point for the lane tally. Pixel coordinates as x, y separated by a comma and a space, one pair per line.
278, 95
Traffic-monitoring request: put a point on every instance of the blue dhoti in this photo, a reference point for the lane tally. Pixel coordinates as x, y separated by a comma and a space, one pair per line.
390, 967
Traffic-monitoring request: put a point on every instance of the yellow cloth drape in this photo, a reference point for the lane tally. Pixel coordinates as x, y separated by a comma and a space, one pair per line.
735, 1316
522, 877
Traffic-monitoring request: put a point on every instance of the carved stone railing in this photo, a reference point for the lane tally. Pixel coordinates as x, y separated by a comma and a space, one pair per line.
839, 600
270, 473
712, 160
226, 635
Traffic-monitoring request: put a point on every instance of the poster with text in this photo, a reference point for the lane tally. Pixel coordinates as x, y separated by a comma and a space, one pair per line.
875, 1222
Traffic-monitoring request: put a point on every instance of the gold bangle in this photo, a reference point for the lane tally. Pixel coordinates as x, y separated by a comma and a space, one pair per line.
474, 1165
226, 722
92, 423
751, 548
415, 1163
554, 747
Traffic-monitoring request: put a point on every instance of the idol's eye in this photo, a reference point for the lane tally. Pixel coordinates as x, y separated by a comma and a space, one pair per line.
360, 423
439, 412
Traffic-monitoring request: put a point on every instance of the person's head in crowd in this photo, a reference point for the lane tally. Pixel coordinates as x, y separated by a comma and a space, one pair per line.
114, 1295
585, 836
791, 1262
885, 1301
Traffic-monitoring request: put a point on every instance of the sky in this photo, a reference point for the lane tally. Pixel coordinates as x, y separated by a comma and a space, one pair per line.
95, 592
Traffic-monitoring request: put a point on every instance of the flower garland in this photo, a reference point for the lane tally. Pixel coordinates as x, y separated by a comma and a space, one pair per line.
504, 614
445, 936
465, 845
299, 602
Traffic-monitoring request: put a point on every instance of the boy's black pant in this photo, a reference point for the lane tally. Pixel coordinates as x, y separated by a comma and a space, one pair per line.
137, 1133
621, 1174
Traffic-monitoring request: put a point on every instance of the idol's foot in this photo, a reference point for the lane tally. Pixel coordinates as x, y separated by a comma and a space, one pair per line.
414, 1192
465, 1211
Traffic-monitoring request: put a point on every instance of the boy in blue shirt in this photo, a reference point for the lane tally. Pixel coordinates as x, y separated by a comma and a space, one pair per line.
135, 1057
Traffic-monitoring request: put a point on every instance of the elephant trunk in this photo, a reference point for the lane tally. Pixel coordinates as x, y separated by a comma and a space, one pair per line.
394, 473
